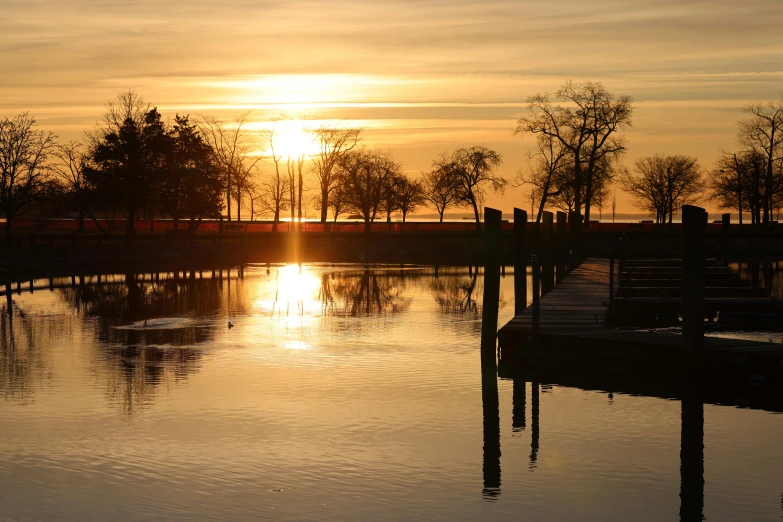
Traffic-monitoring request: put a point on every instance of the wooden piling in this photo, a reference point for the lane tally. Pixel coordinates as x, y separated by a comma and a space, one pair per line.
536, 295
489, 320
611, 278
694, 224
561, 247
547, 252
489, 325
725, 225
520, 260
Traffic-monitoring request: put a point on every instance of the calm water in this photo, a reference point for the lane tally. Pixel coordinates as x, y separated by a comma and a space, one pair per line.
339, 394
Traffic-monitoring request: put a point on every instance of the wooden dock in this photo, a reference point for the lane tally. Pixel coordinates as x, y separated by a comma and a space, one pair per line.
650, 294
573, 333
578, 304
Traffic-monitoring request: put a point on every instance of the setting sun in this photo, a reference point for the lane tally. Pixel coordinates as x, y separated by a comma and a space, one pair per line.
291, 139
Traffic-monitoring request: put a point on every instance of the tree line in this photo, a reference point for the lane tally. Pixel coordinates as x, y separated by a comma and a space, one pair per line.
136, 165
576, 162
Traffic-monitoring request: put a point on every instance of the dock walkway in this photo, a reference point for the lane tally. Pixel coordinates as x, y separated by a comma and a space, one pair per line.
578, 304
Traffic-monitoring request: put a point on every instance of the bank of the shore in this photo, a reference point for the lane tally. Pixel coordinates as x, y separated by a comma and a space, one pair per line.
51, 255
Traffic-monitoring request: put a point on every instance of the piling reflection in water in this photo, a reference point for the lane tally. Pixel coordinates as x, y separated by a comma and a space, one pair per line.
692, 451
491, 414
518, 421
534, 412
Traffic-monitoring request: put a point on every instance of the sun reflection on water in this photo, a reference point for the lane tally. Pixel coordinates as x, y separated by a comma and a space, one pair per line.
293, 294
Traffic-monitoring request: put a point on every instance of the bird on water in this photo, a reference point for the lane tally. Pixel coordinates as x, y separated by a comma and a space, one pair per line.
230, 324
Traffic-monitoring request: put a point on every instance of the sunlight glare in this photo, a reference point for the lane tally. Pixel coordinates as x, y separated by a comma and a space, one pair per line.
292, 139
295, 293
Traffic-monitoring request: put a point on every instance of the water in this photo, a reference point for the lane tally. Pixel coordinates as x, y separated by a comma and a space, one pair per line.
339, 394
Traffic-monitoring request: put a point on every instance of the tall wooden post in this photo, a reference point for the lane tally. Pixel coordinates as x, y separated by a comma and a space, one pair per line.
520, 260
561, 251
575, 230
694, 224
724, 229
611, 279
547, 253
489, 324
536, 294
489, 320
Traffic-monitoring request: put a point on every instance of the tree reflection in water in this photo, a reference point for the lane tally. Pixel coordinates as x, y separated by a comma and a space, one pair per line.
365, 293
24, 365
137, 359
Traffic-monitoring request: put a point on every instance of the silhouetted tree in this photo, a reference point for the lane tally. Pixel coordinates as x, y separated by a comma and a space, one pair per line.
334, 143
470, 171
663, 183
24, 151
128, 162
232, 147
390, 196
549, 168
763, 133
411, 196
295, 168
439, 191
586, 125
275, 188
740, 181
192, 183
69, 162
364, 175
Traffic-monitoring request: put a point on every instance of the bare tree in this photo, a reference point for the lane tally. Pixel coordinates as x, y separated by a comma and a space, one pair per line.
664, 183
295, 169
548, 166
410, 195
364, 175
390, 196
739, 180
439, 191
24, 151
586, 125
614, 203
763, 132
232, 148
334, 142
68, 166
470, 171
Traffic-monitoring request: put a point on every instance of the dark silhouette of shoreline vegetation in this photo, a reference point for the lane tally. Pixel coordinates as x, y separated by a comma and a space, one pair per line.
137, 165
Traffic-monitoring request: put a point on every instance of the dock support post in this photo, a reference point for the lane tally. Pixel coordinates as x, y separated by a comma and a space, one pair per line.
520, 260
561, 248
547, 253
536, 294
694, 224
611, 279
489, 326
724, 229
489, 320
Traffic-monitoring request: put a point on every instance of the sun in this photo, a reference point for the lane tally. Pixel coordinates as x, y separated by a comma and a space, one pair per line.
292, 139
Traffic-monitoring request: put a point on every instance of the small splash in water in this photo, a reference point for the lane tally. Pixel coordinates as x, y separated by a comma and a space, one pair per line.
161, 323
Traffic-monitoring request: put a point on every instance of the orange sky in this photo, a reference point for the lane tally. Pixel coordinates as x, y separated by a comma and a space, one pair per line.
422, 77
